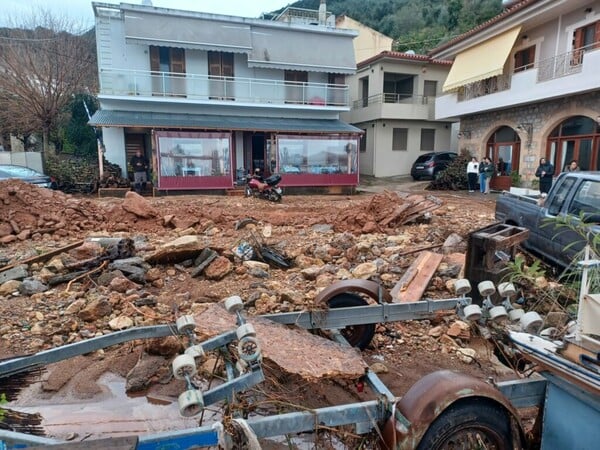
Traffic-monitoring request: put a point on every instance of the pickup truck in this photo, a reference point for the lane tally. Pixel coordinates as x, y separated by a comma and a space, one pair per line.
574, 194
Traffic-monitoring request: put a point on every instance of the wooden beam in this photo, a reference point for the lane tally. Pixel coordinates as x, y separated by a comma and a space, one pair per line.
415, 280
43, 256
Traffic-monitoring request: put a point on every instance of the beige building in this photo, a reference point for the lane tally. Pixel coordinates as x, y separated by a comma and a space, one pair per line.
525, 85
369, 42
393, 102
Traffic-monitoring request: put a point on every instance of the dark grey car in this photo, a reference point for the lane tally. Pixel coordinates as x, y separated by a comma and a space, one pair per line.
10, 171
430, 164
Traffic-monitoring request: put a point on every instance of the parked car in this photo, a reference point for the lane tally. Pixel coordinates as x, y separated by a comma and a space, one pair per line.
10, 171
574, 196
430, 164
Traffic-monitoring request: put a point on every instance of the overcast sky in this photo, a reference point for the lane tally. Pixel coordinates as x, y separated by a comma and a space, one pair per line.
81, 10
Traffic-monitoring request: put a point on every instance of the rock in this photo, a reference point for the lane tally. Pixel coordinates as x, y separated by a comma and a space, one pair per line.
258, 273
5, 229
256, 265
459, 329
75, 306
144, 372
8, 239
167, 346
267, 230
541, 283
16, 273
120, 323
153, 274
466, 355
311, 273
218, 269
436, 331
176, 251
96, 309
303, 262
364, 271
322, 228
24, 235
138, 205
9, 287
87, 250
122, 285
295, 297
31, 286
379, 368
454, 243
183, 224
447, 341
370, 227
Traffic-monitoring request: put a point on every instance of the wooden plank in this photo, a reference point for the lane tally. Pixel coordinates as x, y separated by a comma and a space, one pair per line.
43, 257
413, 283
293, 349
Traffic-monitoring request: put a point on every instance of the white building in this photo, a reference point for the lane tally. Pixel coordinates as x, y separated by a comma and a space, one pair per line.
526, 85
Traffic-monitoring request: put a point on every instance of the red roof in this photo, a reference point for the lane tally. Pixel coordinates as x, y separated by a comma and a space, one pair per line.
402, 56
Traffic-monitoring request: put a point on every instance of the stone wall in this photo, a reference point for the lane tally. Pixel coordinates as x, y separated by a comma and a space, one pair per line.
543, 117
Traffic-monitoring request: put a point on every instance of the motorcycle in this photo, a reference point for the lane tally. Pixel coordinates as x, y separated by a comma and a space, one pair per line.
266, 189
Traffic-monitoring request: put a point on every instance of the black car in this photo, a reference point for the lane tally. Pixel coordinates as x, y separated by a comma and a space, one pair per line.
10, 171
430, 164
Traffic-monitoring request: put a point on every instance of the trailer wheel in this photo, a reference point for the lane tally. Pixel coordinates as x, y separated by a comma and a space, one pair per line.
357, 335
470, 423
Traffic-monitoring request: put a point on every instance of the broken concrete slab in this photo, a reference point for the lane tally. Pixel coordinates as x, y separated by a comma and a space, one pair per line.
176, 251
16, 273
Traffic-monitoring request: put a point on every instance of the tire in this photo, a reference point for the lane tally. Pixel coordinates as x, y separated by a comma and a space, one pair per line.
469, 423
358, 336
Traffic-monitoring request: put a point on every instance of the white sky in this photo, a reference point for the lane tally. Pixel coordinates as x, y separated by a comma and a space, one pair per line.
80, 11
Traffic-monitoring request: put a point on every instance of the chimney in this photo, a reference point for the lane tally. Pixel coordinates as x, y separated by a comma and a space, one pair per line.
322, 13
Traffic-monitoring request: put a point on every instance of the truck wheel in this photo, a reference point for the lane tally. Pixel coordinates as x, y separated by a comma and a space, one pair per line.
470, 423
357, 335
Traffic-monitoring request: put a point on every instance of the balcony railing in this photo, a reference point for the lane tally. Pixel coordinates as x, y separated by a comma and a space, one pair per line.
123, 82
484, 87
391, 98
564, 64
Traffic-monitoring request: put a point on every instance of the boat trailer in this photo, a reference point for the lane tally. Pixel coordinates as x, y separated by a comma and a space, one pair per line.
476, 412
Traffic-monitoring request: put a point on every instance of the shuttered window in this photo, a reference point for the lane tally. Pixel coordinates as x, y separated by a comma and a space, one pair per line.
427, 139
220, 71
400, 139
524, 59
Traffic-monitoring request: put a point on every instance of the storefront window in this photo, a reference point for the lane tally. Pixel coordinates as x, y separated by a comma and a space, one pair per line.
194, 154
317, 155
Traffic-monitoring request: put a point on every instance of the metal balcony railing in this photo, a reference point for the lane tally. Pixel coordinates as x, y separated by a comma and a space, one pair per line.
564, 64
124, 82
484, 87
392, 98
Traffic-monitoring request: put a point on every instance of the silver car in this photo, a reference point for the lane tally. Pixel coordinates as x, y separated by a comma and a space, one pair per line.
10, 171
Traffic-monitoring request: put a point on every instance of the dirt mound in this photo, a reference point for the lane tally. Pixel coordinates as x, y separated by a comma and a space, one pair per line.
385, 212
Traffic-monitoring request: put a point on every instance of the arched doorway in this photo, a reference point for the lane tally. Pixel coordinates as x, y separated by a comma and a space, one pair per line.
504, 149
577, 138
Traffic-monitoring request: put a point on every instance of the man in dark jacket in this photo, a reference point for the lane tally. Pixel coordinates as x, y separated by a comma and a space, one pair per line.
544, 172
139, 164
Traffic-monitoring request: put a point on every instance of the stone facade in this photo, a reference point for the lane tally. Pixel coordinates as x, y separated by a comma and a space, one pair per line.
543, 116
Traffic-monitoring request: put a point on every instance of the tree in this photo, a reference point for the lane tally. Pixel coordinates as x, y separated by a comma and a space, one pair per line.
45, 60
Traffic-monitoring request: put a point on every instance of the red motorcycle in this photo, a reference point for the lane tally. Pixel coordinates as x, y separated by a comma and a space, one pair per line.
266, 189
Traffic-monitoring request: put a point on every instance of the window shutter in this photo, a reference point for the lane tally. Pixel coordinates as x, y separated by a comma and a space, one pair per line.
177, 60
154, 59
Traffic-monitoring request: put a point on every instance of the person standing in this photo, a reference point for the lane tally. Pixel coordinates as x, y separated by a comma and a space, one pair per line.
544, 172
139, 164
486, 170
572, 167
472, 172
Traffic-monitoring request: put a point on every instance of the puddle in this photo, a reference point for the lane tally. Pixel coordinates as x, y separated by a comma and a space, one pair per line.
110, 414
113, 414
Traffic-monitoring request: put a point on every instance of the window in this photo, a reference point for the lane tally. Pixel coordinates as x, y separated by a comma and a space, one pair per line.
167, 65
427, 139
430, 88
220, 74
559, 198
587, 198
364, 91
363, 142
400, 139
524, 59
295, 86
317, 155
336, 89
585, 38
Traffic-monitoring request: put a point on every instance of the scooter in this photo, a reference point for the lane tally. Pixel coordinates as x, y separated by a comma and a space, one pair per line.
266, 189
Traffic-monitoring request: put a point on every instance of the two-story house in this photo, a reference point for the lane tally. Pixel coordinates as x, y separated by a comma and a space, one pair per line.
393, 101
525, 85
209, 97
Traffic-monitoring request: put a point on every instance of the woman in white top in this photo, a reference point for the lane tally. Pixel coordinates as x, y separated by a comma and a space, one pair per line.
472, 174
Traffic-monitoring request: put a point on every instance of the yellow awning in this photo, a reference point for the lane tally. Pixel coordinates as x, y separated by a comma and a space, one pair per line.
483, 61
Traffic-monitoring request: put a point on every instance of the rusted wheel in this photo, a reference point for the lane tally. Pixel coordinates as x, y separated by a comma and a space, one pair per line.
357, 335
471, 423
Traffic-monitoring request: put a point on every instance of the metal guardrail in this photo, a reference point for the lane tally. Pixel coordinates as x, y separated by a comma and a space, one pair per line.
484, 87
562, 65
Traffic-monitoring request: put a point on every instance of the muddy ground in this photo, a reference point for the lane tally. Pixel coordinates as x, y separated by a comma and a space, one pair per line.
326, 237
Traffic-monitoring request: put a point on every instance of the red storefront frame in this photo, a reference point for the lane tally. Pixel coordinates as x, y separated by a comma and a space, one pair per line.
192, 182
